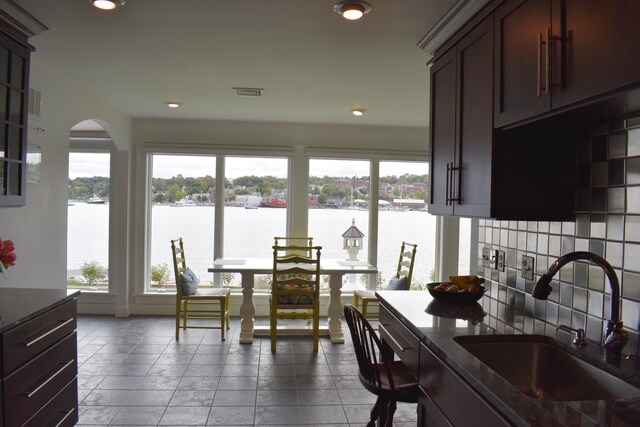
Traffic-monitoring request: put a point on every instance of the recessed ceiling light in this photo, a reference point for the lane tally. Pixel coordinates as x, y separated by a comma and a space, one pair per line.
108, 4
351, 9
357, 112
172, 104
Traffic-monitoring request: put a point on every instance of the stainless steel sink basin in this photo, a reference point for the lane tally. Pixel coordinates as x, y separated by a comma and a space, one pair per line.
538, 367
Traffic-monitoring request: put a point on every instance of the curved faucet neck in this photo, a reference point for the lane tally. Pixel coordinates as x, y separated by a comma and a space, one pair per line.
606, 267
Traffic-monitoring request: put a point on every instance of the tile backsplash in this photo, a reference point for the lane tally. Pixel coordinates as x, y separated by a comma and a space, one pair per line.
607, 223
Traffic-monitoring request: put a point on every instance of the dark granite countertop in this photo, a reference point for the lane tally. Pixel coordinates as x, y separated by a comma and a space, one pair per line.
19, 305
436, 325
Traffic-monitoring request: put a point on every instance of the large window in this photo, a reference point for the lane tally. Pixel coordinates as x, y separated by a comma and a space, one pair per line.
88, 221
256, 207
182, 205
338, 196
402, 216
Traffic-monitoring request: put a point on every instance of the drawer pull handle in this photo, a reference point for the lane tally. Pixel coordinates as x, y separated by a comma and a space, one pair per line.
69, 412
391, 337
48, 380
30, 343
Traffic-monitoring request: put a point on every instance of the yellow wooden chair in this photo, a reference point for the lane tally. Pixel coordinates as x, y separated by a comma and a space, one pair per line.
295, 287
401, 281
196, 303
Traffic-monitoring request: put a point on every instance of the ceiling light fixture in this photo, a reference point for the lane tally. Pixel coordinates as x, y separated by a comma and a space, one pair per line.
107, 4
357, 112
172, 104
352, 9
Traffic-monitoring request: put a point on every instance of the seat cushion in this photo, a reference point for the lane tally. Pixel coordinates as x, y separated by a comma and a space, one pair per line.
398, 284
189, 282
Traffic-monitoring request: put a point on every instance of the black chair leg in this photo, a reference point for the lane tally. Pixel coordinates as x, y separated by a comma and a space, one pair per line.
375, 412
391, 410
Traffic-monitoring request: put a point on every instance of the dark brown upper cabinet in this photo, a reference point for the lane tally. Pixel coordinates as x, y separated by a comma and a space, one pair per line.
550, 54
461, 126
14, 84
476, 171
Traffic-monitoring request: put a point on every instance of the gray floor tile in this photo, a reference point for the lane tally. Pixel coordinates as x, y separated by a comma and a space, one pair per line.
150, 398
235, 398
192, 398
186, 416
315, 415
96, 414
280, 415
138, 416
232, 416
107, 398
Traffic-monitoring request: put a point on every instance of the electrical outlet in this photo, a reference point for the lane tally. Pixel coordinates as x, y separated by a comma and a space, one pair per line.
500, 261
486, 257
527, 267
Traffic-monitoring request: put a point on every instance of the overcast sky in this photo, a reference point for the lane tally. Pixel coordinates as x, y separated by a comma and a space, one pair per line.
95, 164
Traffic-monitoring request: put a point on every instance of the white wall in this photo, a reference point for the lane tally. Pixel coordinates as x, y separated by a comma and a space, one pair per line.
39, 229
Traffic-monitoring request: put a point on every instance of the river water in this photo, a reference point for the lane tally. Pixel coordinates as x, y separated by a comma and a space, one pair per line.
250, 232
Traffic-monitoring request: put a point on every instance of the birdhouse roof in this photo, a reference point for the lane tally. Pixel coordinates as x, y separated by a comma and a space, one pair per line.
353, 231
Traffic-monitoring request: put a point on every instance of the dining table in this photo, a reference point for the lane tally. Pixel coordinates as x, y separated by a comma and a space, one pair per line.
249, 267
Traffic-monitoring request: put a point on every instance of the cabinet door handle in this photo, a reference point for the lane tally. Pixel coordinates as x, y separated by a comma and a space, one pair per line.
48, 380
547, 65
446, 202
539, 62
68, 414
453, 186
32, 342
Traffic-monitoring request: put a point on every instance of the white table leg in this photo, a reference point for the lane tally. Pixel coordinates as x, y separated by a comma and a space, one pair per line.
335, 308
247, 309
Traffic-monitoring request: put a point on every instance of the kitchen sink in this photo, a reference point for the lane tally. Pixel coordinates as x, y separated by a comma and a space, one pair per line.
538, 367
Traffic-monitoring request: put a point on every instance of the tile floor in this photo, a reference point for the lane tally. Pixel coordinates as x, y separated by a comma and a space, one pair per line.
132, 372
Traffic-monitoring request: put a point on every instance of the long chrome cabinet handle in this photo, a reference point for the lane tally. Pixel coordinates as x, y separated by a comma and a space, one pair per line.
32, 342
69, 412
547, 66
48, 380
400, 346
446, 202
539, 73
453, 186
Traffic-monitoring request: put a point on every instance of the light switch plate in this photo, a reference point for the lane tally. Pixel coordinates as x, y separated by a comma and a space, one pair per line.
500, 261
527, 267
486, 257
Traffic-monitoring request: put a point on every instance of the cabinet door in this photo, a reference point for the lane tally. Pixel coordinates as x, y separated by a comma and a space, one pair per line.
600, 46
472, 187
14, 76
443, 132
521, 28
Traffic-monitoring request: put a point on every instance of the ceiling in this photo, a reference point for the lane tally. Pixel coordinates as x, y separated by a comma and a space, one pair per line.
313, 65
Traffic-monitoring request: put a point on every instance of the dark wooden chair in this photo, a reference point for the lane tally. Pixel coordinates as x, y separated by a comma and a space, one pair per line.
388, 379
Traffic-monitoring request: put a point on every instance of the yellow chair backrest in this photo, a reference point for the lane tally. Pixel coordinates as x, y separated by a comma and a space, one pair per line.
407, 258
295, 245
296, 276
179, 261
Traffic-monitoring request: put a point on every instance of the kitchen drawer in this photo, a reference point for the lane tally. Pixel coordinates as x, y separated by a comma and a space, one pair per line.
31, 387
23, 342
61, 411
461, 405
402, 341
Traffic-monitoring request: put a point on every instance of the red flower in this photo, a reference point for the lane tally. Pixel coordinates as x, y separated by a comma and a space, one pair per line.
7, 254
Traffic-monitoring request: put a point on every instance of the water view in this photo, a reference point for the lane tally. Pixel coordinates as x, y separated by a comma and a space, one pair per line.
250, 232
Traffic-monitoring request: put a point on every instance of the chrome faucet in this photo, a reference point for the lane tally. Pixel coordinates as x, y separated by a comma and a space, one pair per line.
616, 336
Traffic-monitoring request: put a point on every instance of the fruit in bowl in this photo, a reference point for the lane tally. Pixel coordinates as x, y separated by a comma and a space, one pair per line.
461, 288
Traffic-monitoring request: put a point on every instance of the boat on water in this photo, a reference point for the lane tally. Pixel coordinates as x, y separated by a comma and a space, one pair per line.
184, 202
95, 201
273, 203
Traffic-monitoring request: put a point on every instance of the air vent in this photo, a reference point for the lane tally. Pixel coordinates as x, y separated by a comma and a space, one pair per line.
248, 91
35, 103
